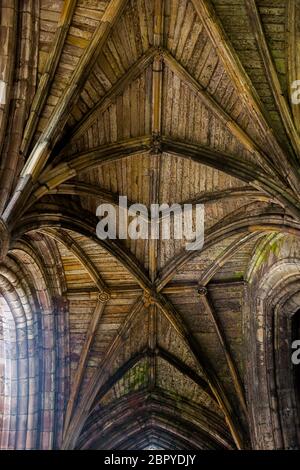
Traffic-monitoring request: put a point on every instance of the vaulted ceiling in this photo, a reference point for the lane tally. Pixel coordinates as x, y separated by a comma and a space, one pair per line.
164, 101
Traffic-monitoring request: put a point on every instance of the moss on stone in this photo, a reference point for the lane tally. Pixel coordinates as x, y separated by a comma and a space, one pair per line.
273, 247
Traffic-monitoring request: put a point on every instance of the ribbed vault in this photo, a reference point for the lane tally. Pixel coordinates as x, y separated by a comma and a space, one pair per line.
128, 344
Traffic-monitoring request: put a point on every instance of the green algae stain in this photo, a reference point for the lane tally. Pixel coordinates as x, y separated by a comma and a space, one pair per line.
272, 248
238, 275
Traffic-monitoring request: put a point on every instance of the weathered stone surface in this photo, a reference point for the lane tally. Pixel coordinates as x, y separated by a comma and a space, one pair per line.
4, 240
